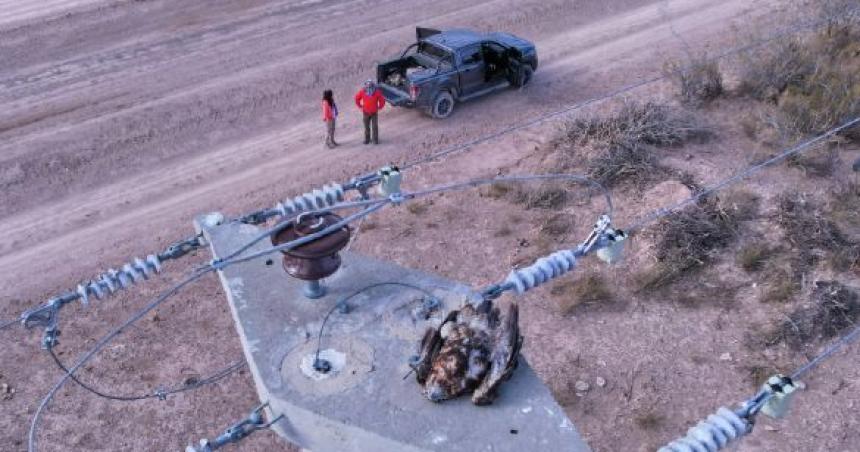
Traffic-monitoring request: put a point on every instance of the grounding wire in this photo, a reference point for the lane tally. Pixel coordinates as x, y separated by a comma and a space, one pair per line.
808, 144
358, 292
787, 31
158, 393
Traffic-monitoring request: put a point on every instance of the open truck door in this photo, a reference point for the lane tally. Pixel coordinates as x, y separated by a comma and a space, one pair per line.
423, 33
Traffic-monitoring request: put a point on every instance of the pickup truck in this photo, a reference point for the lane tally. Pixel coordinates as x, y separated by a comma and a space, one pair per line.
445, 67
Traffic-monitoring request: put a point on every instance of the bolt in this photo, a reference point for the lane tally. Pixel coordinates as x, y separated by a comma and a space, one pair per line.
322, 366
313, 289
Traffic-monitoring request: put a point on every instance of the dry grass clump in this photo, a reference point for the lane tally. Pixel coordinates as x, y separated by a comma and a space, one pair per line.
588, 289
834, 309
416, 208
544, 196
845, 208
649, 420
699, 82
557, 226
817, 164
813, 80
751, 258
686, 241
623, 140
811, 232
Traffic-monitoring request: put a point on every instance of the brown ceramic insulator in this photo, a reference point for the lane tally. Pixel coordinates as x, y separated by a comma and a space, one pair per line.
316, 259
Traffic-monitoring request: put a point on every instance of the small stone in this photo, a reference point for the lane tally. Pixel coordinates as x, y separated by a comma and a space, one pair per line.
771, 428
155, 317
600, 382
689, 156
581, 386
726, 357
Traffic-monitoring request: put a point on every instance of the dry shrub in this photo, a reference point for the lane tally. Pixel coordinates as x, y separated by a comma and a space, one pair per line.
814, 80
685, 241
623, 140
819, 164
769, 70
845, 209
635, 123
496, 190
617, 164
834, 309
809, 230
588, 289
740, 204
699, 81
780, 285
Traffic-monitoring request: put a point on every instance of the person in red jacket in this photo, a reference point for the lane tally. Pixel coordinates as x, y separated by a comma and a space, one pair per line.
329, 111
370, 100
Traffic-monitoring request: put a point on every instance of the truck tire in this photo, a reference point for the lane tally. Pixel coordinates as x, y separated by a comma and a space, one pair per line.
442, 105
525, 76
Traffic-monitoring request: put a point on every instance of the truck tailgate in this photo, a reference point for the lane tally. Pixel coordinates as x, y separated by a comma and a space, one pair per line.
393, 95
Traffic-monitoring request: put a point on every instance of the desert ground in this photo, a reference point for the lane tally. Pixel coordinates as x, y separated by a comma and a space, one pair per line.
122, 120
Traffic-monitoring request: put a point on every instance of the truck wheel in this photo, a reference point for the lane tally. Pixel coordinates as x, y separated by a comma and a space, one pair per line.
525, 76
442, 106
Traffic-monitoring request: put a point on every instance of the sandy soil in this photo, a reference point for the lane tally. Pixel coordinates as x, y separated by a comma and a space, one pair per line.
121, 120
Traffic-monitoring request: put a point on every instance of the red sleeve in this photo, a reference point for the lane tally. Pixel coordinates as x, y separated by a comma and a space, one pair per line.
380, 99
358, 99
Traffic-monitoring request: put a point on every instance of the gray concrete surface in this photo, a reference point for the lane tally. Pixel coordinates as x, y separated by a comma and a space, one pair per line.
367, 405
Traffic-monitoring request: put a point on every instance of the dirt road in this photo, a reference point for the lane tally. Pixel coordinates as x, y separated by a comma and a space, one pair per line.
120, 120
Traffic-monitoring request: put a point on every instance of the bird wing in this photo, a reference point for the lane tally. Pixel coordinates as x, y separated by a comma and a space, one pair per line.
503, 358
431, 343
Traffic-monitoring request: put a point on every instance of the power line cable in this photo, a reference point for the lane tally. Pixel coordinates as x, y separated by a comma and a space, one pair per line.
808, 144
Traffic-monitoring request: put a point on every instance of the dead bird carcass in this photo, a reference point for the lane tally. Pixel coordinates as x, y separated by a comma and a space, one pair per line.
474, 349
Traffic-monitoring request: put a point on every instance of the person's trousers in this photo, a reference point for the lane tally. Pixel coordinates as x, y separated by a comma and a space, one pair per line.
329, 133
371, 128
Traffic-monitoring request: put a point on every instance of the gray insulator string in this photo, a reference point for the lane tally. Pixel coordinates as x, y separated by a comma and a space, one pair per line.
113, 281
327, 196
712, 434
159, 393
543, 270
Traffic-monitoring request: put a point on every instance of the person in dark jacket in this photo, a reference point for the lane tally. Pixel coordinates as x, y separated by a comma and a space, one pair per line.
329, 112
370, 100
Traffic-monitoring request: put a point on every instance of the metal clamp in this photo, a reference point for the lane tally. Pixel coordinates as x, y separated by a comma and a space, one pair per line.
238, 431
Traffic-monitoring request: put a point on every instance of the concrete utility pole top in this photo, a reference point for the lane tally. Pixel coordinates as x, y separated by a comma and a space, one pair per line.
363, 403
